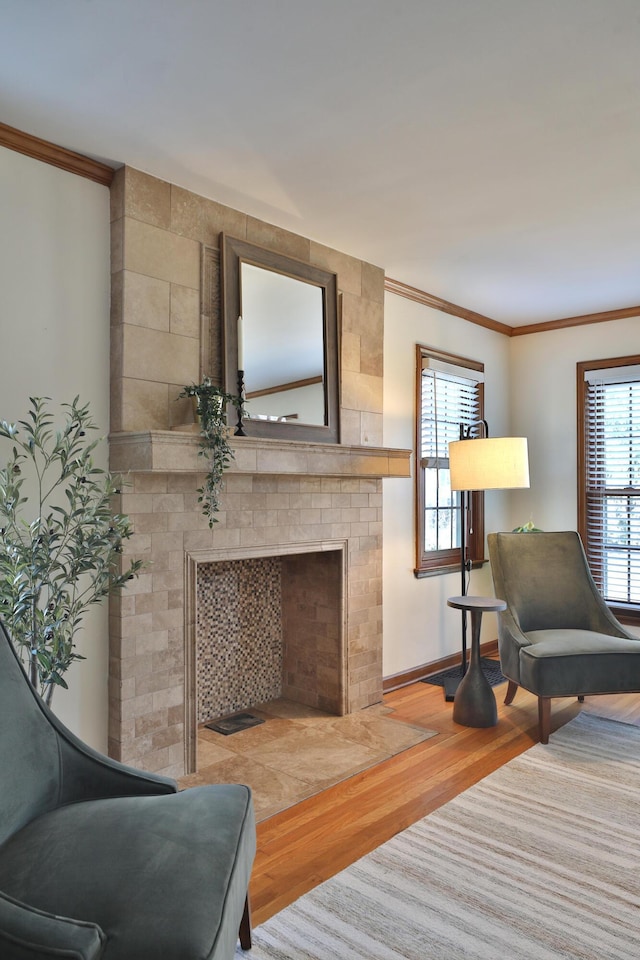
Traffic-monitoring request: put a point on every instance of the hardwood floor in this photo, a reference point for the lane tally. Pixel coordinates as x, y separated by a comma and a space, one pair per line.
310, 842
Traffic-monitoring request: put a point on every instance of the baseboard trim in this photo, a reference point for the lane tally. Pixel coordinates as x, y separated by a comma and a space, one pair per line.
403, 679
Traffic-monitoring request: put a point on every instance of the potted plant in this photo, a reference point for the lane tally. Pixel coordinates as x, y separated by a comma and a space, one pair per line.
60, 542
528, 527
211, 409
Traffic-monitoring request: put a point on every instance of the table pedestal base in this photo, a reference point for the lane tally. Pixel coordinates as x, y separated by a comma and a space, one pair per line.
475, 703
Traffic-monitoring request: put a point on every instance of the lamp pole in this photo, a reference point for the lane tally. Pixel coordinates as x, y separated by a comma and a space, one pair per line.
464, 511
465, 434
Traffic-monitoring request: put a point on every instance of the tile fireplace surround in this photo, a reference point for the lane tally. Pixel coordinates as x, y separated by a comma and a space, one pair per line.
316, 509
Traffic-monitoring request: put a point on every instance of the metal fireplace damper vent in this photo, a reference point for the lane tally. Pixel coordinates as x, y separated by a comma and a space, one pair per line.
234, 723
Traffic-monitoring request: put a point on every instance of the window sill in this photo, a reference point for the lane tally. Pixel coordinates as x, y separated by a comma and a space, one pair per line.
627, 613
421, 574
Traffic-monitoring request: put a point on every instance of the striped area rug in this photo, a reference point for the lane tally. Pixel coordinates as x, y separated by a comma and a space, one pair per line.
538, 861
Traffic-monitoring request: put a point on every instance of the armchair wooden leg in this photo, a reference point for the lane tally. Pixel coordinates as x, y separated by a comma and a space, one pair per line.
245, 926
512, 689
544, 718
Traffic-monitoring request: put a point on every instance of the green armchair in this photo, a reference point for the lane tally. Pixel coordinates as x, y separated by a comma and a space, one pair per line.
557, 637
98, 860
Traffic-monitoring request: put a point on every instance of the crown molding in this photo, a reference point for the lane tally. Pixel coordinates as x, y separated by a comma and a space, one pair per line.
576, 321
57, 156
429, 300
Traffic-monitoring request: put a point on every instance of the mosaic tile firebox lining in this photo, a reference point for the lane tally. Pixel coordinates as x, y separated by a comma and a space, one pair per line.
239, 635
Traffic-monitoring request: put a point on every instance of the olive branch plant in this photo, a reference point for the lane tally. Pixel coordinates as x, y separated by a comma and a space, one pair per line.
60, 541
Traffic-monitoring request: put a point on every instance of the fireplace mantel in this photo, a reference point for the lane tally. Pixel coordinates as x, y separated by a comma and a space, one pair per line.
176, 451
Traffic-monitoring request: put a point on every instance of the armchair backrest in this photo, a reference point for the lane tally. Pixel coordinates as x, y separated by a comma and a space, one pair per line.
29, 752
546, 582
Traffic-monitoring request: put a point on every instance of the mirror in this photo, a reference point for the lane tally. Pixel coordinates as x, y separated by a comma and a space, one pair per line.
280, 328
279, 310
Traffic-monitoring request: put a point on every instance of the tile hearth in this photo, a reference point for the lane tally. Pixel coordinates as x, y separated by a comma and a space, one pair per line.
299, 751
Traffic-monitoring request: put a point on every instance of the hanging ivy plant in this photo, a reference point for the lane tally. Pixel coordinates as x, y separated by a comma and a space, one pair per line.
212, 404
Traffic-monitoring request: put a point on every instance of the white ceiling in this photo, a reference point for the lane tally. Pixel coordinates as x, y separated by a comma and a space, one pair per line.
485, 151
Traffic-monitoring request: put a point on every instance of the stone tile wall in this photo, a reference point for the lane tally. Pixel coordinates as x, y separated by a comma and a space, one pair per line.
158, 231
164, 291
312, 624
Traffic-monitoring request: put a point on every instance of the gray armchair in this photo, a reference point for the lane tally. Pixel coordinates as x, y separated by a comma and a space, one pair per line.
98, 860
557, 637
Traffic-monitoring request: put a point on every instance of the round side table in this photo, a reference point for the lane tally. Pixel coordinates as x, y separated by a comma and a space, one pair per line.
475, 703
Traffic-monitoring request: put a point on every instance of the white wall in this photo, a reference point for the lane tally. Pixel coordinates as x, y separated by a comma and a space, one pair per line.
544, 409
418, 625
54, 311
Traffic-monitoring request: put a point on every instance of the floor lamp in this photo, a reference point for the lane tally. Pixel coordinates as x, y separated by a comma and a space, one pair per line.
482, 463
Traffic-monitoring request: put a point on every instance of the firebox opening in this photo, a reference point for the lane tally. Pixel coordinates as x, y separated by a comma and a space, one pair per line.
269, 627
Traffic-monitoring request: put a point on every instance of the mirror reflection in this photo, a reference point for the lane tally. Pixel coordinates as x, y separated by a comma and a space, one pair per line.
280, 347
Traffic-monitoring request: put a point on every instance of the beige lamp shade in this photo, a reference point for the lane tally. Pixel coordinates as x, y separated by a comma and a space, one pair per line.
494, 463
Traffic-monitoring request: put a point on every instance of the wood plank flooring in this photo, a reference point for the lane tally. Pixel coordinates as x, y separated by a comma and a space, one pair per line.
310, 842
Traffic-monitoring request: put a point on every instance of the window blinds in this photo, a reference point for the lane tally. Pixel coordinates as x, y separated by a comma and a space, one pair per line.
612, 469
447, 401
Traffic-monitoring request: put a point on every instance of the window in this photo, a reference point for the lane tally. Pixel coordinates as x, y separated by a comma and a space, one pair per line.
449, 393
609, 478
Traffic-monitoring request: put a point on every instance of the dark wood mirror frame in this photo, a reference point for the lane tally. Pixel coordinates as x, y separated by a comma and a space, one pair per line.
233, 253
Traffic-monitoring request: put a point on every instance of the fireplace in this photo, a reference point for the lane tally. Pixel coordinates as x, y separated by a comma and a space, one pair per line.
328, 503
291, 501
